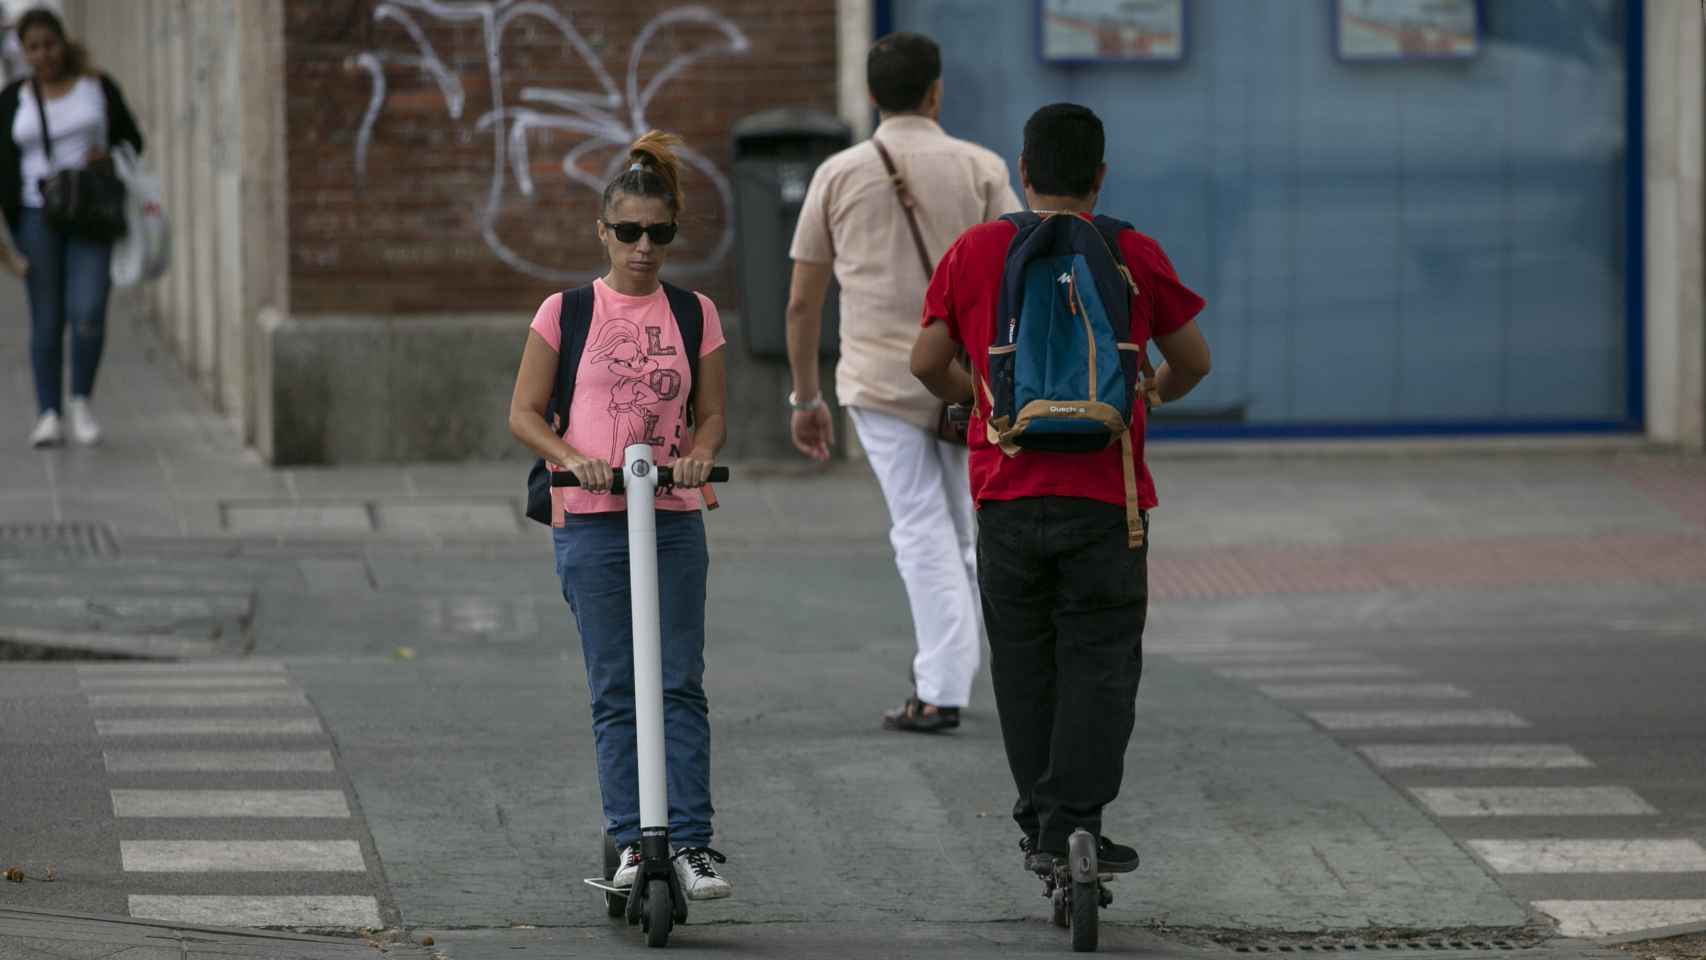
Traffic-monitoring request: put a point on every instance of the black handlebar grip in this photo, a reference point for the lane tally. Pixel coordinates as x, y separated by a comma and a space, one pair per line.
664, 476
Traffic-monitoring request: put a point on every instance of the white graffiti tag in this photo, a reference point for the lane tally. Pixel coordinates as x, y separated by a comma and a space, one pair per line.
608, 117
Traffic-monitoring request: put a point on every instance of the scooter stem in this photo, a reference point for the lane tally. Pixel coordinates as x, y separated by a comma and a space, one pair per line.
641, 490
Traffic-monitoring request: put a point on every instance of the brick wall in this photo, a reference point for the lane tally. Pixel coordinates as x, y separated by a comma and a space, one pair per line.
404, 190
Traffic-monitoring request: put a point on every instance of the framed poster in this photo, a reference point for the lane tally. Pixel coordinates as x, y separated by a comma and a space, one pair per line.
1375, 30
1111, 31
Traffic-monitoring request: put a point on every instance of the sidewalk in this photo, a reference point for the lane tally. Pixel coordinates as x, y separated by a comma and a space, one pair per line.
1234, 520
169, 467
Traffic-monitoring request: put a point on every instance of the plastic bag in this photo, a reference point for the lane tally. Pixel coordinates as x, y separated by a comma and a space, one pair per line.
145, 251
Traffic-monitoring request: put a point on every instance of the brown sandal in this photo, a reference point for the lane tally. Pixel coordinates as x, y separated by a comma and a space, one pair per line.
911, 718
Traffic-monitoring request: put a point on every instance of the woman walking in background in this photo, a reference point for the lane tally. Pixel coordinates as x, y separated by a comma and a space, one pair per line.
68, 277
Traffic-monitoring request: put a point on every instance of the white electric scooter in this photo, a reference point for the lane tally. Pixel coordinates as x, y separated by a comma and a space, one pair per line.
656, 900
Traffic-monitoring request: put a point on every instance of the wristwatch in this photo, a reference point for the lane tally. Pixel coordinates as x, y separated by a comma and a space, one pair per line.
800, 407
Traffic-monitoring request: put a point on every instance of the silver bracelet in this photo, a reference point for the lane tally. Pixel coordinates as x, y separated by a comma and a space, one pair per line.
813, 404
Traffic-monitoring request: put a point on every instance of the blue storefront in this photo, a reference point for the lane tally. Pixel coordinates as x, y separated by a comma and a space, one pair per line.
1413, 245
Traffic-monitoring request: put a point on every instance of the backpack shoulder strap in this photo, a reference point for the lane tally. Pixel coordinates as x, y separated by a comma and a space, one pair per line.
574, 325
1110, 229
690, 320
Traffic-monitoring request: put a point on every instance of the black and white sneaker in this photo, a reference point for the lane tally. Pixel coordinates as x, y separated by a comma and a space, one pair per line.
696, 868
628, 867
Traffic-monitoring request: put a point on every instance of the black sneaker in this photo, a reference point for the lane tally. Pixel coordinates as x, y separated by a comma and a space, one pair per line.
1114, 857
1111, 857
1036, 860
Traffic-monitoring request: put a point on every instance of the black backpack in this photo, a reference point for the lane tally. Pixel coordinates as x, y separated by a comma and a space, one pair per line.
574, 324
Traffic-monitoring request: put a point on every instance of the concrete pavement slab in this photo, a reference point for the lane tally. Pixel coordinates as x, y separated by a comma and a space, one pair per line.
33, 934
455, 519
289, 519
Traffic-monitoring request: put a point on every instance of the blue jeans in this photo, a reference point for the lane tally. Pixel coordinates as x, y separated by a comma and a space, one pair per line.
592, 562
68, 284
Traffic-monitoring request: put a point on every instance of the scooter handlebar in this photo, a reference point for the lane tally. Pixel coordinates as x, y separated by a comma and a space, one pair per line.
666, 478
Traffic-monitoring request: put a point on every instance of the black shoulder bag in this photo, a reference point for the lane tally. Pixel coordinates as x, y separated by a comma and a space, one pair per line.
86, 202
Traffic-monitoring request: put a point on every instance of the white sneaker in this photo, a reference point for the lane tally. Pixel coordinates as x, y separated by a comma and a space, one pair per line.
630, 867
696, 868
48, 431
84, 429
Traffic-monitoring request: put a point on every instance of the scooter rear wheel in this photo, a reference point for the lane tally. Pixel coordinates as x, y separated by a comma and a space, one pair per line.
615, 904
1085, 904
659, 913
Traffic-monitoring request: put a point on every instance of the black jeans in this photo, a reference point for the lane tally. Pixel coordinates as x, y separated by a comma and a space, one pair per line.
1064, 602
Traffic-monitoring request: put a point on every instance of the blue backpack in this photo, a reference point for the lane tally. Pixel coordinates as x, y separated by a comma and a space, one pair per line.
1064, 368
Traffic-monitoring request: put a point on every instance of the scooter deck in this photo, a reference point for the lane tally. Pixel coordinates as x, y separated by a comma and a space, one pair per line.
607, 886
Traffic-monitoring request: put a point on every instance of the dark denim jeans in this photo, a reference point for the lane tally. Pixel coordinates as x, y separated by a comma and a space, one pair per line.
592, 562
68, 284
1064, 602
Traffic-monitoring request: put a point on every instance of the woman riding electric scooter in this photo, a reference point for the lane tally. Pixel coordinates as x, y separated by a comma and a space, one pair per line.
634, 383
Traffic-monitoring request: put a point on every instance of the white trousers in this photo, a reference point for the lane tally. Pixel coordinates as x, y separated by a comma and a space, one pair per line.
933, 529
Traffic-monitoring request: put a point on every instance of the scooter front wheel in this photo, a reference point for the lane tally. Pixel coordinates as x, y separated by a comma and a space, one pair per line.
659, 913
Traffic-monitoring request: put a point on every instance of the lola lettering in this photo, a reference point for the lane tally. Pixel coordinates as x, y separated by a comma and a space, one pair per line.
655, 347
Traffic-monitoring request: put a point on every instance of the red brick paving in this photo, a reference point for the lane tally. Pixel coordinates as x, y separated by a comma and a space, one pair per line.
1243, 571
1678, 483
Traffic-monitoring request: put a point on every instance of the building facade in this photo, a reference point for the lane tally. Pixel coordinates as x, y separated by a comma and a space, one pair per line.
1495, 229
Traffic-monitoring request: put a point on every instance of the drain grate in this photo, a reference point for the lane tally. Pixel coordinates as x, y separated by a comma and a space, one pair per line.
1388, 946
83, 539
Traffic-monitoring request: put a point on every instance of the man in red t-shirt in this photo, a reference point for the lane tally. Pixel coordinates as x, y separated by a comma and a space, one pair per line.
1064, 594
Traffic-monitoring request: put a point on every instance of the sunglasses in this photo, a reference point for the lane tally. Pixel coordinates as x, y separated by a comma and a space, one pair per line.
629, 232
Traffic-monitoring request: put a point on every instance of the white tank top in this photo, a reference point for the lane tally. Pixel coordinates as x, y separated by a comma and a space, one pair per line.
78, 122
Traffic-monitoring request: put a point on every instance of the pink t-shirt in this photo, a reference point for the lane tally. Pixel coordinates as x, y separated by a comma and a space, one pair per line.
632, 386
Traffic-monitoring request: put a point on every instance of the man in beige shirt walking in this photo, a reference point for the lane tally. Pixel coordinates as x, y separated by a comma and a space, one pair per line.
853, 225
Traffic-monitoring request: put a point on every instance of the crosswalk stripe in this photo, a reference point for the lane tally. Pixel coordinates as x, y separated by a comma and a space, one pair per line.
1396, 719
241, 856
209, 726
313, 913
211, 682
198, 761
1592, 856
1364, 691
182, 669
1606, 918
230, 803
1317, 671
199, 701
1475, 756
1532, 801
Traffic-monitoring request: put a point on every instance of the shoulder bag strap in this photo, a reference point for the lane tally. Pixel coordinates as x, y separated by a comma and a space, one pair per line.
41, 111
906, 204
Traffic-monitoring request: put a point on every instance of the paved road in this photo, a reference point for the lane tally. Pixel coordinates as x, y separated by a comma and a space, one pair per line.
1559, 735
198, 793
